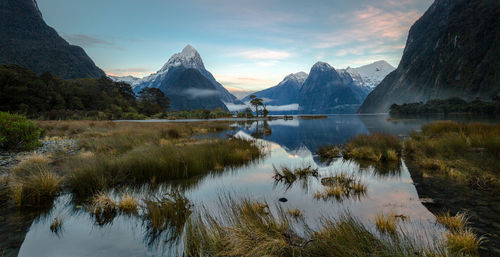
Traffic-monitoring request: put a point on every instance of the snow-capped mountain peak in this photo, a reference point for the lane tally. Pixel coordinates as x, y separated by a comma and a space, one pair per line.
189, 58
370, 75
322, 66
299, 77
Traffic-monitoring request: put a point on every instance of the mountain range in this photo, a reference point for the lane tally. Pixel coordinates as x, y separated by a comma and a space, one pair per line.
189, 58
451, 51
325, 89
26, 40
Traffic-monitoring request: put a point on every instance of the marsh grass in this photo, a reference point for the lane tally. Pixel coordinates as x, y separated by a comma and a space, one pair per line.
288, 176
463, 243
453, 223
161, 162
242, 230
340, 187
103, 208
465, 152
56, 225
33, 182
386, 223
329, 152
295, 213
166, 216
374, 147
128, 204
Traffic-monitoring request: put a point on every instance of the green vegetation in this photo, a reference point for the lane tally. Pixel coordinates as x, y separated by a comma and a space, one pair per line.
447, 106
198, 114
313, 117
47, 97
374, 147
251, 232
469, 153
17, 133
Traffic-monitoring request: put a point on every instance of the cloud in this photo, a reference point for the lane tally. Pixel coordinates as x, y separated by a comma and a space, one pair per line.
88, 41
281, 108
199, 93
368, 25
136, 72
236, 107
264, 54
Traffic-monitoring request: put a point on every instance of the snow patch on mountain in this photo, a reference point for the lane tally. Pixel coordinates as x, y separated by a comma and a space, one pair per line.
370, 75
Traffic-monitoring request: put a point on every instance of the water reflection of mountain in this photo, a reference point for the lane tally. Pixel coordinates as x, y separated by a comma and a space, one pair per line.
298, 135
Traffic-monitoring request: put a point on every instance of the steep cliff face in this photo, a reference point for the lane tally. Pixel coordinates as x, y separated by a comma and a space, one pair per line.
452, 50
26, 40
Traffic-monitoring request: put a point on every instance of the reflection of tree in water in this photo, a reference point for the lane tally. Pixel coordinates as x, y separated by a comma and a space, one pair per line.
262, 129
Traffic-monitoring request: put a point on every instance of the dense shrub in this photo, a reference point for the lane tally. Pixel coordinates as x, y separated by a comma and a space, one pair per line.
18, 133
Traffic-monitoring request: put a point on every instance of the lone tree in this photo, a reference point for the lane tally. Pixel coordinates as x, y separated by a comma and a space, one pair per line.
256, 102
153, 101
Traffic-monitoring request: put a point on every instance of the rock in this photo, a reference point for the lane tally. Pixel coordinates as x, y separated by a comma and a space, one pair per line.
283, 200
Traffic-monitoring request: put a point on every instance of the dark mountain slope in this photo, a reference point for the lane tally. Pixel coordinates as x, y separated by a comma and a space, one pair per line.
451, 51
190, 90
26, 40
328, 91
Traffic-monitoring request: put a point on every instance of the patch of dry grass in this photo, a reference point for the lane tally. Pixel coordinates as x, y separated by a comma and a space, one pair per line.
386, 223
374, 147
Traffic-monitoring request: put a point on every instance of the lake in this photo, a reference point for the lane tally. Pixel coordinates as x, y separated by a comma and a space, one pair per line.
290, 143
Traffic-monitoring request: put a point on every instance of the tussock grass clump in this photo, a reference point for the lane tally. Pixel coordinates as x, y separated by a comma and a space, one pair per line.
242, 230
168, 213
374, 147
329, 153
161, 162
453, 223
295, 213
340, 187
469, 153
103, 208
386, 223
33, 182
128, 204
463, 243
288, 176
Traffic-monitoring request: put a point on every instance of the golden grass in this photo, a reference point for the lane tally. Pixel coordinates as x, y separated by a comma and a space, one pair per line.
374, 147
295, 213
341, 186
243, 230
463, 243
453, 223
467, 153
386, 223
289, 176
329, 152
128, 203
33, 182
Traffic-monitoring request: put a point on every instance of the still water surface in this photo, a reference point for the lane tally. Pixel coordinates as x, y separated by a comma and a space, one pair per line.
291, 143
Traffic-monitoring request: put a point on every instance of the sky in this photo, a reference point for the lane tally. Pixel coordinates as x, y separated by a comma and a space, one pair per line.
248, 45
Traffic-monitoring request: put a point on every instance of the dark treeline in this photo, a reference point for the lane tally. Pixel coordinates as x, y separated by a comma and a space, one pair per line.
448, 106
49, 97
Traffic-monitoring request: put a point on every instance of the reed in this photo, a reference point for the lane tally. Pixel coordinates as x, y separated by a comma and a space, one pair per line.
375, 147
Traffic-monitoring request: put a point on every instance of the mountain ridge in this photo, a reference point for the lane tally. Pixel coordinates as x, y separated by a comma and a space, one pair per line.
26, 40
451, 51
